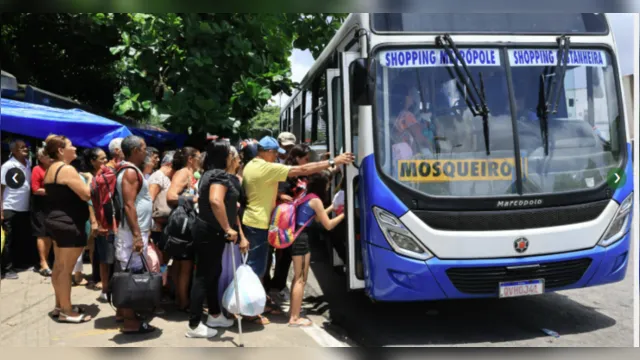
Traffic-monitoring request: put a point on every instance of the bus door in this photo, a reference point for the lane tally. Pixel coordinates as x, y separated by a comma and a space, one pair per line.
336, 146
355, 271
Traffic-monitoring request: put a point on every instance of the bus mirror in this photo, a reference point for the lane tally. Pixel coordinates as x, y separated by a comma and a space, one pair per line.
359, 82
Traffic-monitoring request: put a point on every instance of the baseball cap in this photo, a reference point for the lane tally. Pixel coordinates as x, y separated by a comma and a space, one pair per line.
287, 139
269, 143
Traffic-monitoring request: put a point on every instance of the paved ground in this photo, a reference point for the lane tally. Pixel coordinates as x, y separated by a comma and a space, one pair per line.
24, 322
601, 316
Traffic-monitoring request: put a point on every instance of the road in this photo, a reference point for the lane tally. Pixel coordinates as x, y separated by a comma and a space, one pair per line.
601, 316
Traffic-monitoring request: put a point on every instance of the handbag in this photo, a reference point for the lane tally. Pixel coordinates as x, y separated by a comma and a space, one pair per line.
161, 210
136, 290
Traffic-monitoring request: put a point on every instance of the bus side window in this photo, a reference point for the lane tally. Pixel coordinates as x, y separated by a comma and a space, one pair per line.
338, 128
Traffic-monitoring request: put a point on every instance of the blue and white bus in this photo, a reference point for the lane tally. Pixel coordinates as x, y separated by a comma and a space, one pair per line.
493, 156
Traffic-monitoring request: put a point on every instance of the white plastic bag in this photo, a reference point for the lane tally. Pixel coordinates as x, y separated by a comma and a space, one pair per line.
338, 202
252, 295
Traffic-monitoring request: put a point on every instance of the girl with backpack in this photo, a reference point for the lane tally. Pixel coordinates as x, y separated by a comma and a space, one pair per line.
317, 186
289, 190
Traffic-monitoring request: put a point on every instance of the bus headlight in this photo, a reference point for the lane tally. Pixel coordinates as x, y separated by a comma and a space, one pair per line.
618, 226
399, 237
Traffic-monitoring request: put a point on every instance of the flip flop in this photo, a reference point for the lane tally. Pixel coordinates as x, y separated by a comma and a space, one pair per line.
45, 272
301, 323
144, 328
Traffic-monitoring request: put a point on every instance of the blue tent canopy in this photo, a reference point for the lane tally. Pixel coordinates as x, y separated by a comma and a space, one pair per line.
82, 128
160, 139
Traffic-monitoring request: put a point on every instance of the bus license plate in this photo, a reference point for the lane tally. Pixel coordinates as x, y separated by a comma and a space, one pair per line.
521, 288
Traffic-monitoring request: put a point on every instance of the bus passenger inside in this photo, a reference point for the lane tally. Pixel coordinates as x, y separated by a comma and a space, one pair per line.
405, 105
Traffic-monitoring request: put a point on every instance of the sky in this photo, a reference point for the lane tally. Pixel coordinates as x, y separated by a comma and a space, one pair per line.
621, 25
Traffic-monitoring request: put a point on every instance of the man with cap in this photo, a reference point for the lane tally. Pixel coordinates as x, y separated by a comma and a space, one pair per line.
287, 141
260, 182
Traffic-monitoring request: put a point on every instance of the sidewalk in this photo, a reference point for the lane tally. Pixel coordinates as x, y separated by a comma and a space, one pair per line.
24, 321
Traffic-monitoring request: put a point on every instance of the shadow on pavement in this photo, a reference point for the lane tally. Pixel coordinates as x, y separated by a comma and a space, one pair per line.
449, 322
124, 339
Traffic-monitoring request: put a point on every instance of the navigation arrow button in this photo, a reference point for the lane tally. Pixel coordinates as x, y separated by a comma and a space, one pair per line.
616, 178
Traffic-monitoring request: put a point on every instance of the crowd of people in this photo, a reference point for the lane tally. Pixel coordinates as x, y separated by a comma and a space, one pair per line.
50, 220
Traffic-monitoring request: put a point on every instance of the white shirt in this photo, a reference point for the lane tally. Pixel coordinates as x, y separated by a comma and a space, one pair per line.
16, 178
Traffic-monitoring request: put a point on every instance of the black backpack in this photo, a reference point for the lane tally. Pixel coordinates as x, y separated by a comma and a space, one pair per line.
178, 230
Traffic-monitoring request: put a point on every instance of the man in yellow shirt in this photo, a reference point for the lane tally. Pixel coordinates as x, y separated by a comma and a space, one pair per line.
260, 182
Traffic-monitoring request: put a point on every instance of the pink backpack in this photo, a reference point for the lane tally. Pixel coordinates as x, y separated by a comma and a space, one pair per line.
282, 229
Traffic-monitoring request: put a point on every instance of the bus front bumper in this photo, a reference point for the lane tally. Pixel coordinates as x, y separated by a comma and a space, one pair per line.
391, 277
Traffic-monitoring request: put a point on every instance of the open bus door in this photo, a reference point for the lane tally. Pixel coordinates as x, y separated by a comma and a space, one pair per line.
334, 98
355, 271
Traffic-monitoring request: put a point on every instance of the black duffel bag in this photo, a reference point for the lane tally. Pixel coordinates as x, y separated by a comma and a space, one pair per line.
137, 290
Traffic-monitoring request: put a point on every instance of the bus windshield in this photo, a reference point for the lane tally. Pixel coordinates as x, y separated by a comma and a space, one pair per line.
429, 139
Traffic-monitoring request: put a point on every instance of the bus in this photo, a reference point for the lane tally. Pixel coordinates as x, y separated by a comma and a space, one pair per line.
492, 152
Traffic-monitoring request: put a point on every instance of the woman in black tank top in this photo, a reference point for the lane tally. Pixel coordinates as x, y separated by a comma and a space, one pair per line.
67, 214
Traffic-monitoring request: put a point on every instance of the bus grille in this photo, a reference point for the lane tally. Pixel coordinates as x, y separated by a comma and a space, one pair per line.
484, 280
512, 219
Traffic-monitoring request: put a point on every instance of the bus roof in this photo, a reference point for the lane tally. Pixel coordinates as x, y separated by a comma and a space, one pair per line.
351, 21
593, 24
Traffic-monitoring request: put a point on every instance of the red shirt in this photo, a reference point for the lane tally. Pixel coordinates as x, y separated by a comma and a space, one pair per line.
37, 178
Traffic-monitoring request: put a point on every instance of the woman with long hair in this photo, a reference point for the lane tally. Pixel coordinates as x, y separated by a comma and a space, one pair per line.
103, 249
217, 223
67, 215
185, 162
38, 211
318, 185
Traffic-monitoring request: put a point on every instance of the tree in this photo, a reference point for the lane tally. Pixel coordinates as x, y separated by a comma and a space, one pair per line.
267, 118
62, 53
210, 72
205, 69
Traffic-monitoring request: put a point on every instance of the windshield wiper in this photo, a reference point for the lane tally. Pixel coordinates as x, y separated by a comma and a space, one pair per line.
548, 101
476, 101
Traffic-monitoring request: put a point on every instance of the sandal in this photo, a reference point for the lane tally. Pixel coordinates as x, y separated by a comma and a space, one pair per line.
301, 323
144, 328
120, 320
45, 272
258, 320
57, 311
82, 282
272, 310
80, 318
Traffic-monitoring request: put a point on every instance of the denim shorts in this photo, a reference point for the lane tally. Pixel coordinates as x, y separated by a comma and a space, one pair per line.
105, 251
258, 249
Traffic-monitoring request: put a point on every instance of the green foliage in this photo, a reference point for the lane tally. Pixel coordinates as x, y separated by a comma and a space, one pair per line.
314, 31
62, 53
267, 118
203, 69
